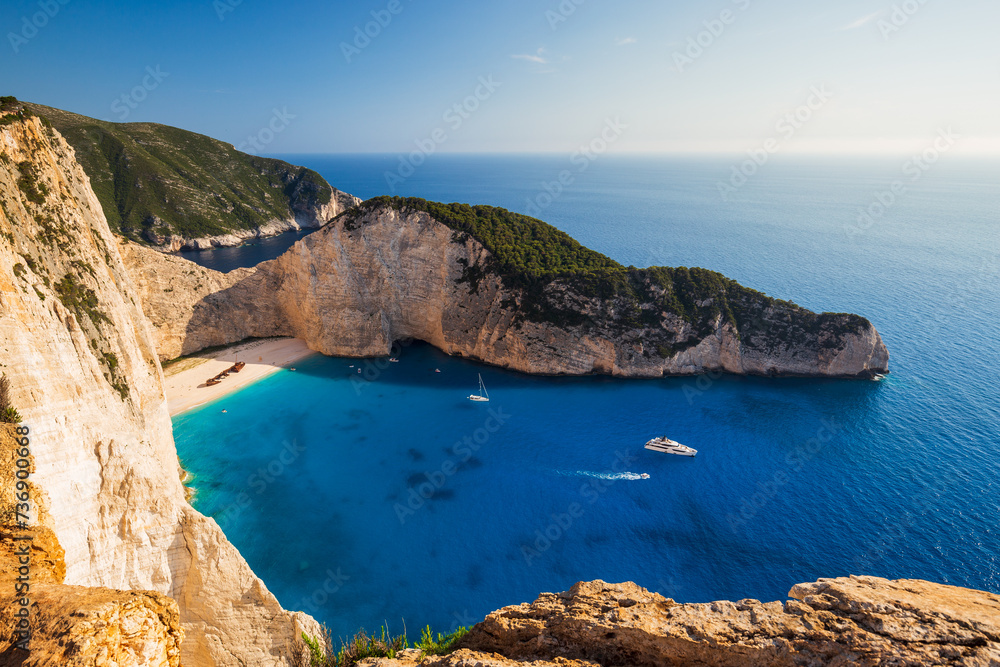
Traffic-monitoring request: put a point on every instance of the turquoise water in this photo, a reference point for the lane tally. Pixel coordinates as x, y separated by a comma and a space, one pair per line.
795, 479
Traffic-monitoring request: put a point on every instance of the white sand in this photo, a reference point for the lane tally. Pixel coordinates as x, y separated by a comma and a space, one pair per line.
185, 380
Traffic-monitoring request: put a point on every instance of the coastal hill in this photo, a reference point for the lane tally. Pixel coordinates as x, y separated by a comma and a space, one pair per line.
174, 189
498, 287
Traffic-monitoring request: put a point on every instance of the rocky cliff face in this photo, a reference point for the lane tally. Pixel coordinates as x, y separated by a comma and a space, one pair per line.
858, 621
81, 358
366, 281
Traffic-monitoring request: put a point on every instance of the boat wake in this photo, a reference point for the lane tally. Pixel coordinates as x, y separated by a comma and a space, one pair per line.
605, 475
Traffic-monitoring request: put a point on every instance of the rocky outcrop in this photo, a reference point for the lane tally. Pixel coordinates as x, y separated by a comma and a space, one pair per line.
84, 373
69, 625
46, 556
856, 621
467, 658
74, 626
366, 281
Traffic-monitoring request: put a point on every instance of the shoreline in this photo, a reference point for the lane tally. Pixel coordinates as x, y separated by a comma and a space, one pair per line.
184, 381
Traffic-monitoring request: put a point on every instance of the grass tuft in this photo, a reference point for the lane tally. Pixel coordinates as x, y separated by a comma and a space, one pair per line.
322, 651
8, 413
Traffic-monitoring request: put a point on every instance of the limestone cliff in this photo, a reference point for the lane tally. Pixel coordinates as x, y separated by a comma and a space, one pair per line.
385, 272
85, 377
856, 621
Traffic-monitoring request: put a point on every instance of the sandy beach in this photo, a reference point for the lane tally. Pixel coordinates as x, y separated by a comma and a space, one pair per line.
185, 379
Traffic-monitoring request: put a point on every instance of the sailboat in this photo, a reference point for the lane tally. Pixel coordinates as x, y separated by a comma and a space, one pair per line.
483, 396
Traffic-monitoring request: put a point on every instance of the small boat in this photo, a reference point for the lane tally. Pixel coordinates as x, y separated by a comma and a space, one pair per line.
668, 446
437, 370
393, 360
483, 396
644, 475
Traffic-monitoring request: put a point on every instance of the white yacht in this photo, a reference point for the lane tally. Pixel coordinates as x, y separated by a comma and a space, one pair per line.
668, 446
483, 396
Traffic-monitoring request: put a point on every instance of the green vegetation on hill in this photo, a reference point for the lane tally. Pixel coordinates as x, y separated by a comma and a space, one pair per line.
12, 111
535, 259
154, 180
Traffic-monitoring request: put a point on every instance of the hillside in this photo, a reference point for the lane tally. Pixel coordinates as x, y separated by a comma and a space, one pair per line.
164, 186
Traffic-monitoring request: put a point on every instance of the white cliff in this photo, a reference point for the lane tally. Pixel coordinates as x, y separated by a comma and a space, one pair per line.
383, 275
85, 376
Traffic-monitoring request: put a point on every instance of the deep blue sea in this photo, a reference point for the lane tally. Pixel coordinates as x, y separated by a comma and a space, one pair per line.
319, 475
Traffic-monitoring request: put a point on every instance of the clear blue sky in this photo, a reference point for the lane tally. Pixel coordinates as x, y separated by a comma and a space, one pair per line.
894, 80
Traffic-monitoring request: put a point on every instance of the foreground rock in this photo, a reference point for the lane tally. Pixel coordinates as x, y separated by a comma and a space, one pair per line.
856, 621
384, 273
75, 626
859, 621
79, 353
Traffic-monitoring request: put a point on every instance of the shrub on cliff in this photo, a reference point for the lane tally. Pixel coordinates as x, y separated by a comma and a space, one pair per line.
12, 111
444, 644
323, 654
34, 190
8, 413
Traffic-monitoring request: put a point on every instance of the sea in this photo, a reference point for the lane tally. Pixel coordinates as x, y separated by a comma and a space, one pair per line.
371, 493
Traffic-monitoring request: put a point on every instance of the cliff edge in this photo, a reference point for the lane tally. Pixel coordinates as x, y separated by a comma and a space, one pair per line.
84, 374
501, 288
854, 621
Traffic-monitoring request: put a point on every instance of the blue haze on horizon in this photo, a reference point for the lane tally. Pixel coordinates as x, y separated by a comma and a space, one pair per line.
897, 72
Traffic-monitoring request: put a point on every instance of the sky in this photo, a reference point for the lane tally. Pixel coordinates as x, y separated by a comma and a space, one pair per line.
665, 76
